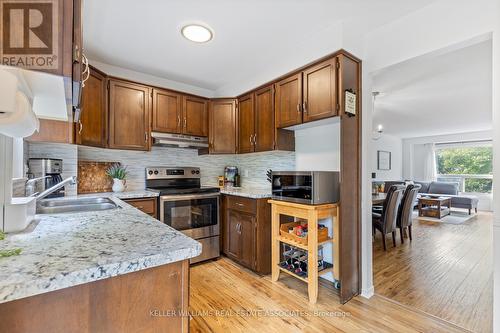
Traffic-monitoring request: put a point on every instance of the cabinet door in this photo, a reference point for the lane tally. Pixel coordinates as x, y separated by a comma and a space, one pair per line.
320, 86
246, 124
92, 128
247, 240
167, 111
195, 116
289, 101
129, 108
222, 133
264, 119
233, 235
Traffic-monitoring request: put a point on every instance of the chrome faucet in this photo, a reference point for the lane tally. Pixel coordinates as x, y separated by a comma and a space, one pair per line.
70, 180
29, 187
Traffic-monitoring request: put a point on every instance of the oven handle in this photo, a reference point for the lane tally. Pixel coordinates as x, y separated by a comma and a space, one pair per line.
188, 197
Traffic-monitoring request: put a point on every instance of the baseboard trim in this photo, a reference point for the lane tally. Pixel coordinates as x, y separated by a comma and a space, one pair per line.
368, 292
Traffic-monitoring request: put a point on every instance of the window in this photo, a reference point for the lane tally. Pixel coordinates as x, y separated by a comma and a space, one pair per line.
470, 165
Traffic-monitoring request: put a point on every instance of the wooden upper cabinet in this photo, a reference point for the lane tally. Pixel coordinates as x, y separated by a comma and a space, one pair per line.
289, 101
223, 126
264, 119
320, 86
246, 121
195, 116
92, 128
129, 109
167, 111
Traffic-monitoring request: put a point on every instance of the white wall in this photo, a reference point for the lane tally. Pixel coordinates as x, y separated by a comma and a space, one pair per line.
431, 29
125, 73
318, 149
394, 145
496, 170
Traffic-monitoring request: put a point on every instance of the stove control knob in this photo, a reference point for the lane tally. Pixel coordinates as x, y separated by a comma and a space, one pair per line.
193, 172
156, 172
197, 172
150, 172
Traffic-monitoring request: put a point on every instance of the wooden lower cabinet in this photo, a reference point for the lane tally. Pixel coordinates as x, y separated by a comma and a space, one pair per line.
134, 302
246, 232
146, 205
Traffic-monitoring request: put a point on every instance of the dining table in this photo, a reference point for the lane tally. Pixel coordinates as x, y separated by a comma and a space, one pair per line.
378, 199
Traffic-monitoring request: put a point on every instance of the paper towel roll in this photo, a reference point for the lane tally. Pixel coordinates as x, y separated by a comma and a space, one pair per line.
22, 122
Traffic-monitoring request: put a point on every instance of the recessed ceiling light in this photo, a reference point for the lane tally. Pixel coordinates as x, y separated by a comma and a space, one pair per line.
197, 33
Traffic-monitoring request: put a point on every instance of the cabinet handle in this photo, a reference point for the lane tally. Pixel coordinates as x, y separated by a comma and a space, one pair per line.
255, 139
146, 136
304, 106
185, 122
251, 143
240, 204
178, 121
298, 107
81, 127
86, 71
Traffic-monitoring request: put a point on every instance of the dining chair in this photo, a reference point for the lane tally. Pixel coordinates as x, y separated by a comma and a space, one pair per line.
405, 214
385, 222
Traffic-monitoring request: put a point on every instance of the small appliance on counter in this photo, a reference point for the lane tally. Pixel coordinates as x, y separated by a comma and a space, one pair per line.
231, 176
308, 187
51, 170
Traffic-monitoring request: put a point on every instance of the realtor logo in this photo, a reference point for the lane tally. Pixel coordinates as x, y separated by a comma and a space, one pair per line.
29, 33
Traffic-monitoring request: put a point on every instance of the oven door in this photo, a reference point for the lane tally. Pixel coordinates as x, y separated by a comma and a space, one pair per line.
196, 215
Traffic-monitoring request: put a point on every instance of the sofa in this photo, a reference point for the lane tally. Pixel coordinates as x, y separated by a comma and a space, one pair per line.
445, 189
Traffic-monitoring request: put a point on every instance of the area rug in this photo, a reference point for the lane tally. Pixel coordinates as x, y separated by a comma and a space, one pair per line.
455, 217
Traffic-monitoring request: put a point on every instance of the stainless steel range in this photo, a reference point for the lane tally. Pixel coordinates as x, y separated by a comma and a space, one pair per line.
186, 206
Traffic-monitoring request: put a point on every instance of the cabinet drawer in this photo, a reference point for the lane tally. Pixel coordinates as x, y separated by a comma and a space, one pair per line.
242, 204
148, 205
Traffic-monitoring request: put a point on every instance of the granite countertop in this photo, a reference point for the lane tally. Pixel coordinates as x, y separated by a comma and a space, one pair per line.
248, 192
124, 195
64, 250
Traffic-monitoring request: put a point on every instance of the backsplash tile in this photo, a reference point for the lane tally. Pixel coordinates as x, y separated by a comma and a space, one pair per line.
211, 166
136, 162
92, 177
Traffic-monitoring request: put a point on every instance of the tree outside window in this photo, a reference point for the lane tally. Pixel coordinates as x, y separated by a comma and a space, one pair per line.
471, 166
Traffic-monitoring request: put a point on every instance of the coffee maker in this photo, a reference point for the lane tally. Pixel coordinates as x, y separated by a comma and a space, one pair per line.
51, 170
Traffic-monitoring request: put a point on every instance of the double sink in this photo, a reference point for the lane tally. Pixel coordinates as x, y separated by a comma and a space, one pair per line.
57, 206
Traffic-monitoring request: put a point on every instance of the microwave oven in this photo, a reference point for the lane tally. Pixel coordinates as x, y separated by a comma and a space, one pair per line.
308, 187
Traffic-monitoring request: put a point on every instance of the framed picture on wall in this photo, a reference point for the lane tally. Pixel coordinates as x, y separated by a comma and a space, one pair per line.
383, 160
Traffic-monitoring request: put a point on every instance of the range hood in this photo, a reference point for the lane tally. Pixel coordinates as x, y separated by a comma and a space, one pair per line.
179, 140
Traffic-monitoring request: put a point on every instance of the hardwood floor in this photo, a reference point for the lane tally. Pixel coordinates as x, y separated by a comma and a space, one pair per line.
233, 291
446, 271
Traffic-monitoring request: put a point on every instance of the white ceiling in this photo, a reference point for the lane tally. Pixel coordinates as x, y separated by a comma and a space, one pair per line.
250, 36
445, 94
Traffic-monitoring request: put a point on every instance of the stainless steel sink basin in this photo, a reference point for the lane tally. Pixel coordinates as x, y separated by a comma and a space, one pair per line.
56, 206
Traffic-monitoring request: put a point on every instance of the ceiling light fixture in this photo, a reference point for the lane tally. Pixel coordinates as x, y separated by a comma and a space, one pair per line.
197, 33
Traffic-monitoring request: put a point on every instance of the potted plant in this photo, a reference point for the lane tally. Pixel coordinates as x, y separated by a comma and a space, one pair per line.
118, 173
